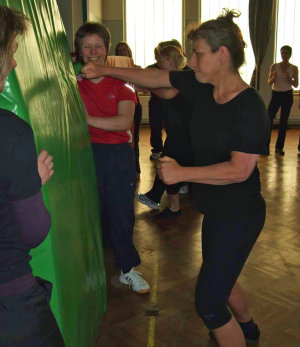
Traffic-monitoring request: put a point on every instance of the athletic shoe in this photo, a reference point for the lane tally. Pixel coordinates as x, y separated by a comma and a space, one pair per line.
135, 281
184, 189
143, 198
251, 336
167, 214
155, 155
279, 151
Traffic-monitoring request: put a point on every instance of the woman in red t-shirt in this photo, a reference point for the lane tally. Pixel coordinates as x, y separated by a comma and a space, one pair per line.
110, 105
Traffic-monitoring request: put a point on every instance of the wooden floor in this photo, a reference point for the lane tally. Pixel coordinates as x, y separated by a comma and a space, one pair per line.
171, 258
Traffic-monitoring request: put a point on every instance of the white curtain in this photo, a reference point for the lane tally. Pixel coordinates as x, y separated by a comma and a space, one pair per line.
149, 22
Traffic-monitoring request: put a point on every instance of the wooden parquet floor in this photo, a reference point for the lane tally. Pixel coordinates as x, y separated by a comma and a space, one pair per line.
171, 258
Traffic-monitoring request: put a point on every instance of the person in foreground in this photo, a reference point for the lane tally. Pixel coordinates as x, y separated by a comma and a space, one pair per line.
110, 105
26, 319
228, 130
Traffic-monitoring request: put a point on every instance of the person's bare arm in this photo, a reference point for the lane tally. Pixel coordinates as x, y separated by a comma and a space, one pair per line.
149, 78
122, 121
295, 81
165, 93
272, 75
236, 170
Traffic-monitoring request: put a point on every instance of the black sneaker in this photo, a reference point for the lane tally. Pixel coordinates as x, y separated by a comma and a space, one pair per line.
155, 155
168, 214
279, 151
251, 336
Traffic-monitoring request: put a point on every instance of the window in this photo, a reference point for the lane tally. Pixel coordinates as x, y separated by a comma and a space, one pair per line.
288, 29
149, 22
211, 9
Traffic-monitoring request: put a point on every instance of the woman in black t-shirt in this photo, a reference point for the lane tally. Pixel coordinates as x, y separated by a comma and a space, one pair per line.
228, 130
25, 315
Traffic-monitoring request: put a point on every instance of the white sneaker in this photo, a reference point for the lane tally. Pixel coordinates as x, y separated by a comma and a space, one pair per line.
184, 189
143, 198
135, 281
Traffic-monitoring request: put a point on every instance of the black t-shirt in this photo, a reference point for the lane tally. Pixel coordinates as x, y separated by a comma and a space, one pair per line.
19, 179
154, 98
241, 125
177, 115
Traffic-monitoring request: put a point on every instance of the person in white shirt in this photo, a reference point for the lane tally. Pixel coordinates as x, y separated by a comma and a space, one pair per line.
282, 77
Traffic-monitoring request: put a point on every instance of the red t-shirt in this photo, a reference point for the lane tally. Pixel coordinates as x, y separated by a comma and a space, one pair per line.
101, 100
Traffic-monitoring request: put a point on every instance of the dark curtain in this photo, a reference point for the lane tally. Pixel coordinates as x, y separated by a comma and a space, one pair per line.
260, 23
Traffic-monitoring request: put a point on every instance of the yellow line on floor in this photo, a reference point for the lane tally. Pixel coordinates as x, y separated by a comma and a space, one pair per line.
153, 299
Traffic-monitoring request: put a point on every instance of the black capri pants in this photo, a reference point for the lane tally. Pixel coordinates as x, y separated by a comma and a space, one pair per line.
226, 245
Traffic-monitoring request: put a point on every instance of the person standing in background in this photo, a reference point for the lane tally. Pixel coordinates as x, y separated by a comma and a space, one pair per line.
282, 77
156, 111
123, 49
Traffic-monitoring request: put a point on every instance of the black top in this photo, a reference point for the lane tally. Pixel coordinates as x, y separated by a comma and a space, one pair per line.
154, 97
241, 125
19, 179
177, 114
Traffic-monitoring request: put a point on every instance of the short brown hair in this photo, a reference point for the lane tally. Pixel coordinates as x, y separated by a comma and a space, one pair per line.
164, 44
176, 54
12, 23
223, 32
123, 43
88, 29
287, 48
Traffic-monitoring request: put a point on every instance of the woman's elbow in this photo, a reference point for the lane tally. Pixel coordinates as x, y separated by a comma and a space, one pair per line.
242, 175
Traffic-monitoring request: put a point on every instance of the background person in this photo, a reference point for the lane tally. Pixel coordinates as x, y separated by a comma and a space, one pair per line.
25, 315
229, 129
156, 111
282, 77
110, 107
176, 118
122, 49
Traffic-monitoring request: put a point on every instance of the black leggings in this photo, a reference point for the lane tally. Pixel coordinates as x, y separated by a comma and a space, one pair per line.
226, 245
284, 101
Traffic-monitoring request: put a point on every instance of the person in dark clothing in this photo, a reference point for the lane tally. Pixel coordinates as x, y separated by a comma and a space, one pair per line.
156, 109
176, 118
229, 130
282, 77
25, 314
123, 49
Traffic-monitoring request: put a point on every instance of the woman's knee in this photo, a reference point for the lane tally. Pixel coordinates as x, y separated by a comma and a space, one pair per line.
211, 307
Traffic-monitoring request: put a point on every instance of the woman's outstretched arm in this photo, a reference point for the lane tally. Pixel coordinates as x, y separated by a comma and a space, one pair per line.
149, 78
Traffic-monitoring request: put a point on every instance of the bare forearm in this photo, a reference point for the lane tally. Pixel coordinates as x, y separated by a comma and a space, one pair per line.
294, 83
165, 93
116, 123
271, 80
149, 78
217, 174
